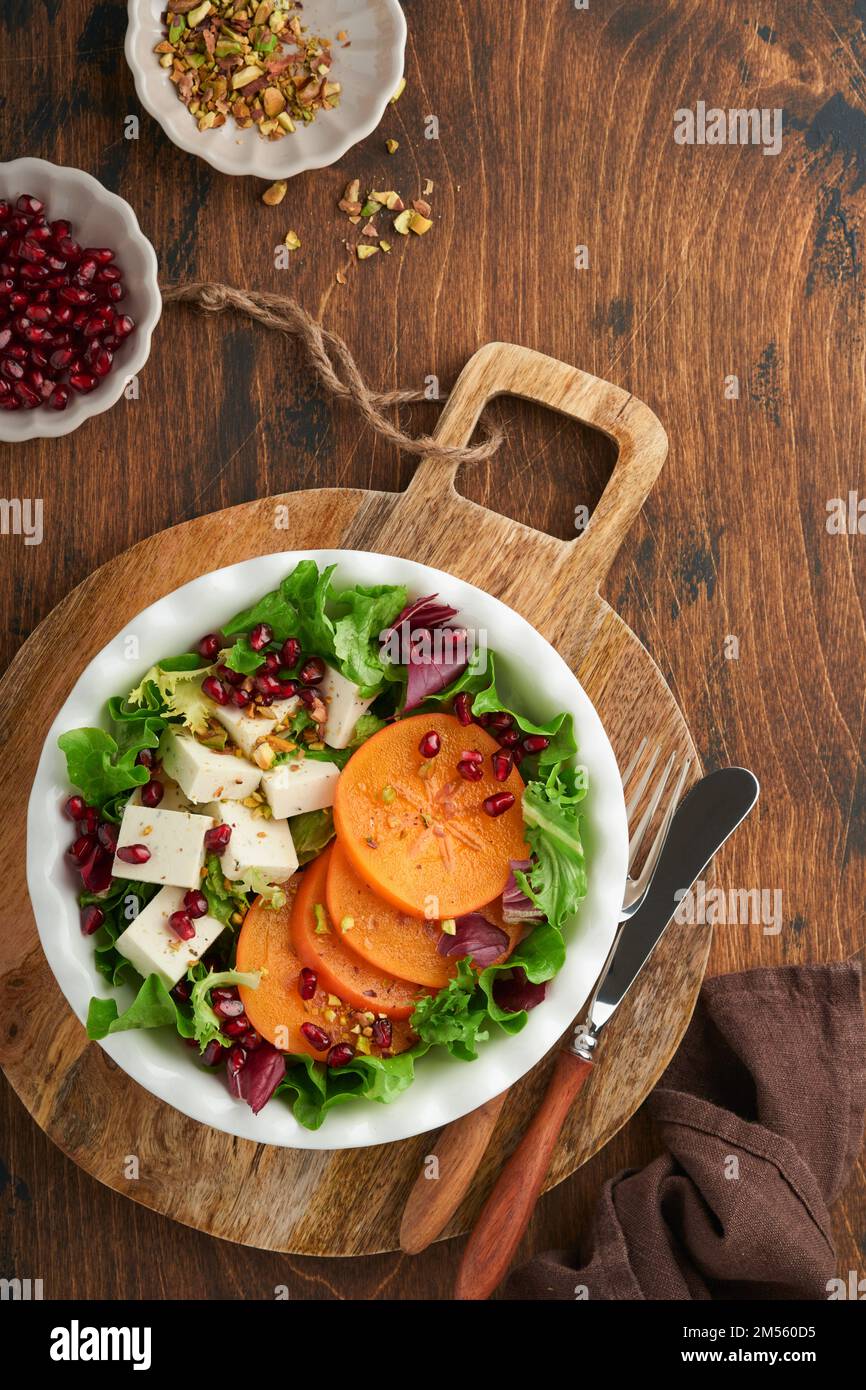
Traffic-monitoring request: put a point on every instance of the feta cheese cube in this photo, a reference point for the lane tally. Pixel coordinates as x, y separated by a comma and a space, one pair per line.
307, 784
244, 730
175, 840
152, 947
204, 773
344, 708
256, 843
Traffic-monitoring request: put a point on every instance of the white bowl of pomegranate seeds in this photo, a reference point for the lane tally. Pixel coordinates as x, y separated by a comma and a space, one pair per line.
79, 298
363, 47
445, 1088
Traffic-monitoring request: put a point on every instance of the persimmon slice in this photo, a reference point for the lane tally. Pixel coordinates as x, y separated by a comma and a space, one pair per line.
276, 1009
391, 939
416, 831
320, 947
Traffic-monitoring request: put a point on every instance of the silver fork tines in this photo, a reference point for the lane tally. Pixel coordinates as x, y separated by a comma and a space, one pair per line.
636, 888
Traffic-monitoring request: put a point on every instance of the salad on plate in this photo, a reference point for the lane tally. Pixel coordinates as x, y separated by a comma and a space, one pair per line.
323, 843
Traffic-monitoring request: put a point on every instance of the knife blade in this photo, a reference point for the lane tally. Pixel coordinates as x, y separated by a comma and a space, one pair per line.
705, 818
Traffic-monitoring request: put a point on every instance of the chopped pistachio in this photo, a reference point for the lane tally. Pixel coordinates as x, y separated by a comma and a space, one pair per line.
199, 13
347, 923
392, 146
418, 224
365, 252
371, 207
245, 76
449, 926
388, 795
322, 928
401, 87
293, 241
275, 194
363, 1045
401, 222
385, 246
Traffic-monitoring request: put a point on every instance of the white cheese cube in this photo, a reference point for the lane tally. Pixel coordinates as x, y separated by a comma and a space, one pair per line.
283, 711
292, 787
344, 708
152, 947
204, 773
244, 730
256, 843
173, 799
175, 840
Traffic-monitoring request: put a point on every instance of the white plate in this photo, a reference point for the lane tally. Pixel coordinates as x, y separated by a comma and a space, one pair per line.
98, 218
533, 676
369, 70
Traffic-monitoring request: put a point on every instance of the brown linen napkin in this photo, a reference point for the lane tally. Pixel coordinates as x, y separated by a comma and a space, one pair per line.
761, 1112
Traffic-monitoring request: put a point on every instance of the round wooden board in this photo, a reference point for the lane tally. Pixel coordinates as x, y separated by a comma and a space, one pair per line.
349, 1203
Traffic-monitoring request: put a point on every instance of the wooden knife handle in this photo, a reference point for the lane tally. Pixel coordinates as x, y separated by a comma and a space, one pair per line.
459, 1150
506, 1213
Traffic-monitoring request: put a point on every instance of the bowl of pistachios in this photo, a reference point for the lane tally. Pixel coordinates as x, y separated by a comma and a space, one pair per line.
270, 88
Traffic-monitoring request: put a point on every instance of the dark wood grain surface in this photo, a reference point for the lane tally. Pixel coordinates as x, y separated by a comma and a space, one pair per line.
556, 130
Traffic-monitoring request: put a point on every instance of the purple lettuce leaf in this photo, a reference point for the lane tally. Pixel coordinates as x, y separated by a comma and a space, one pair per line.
516, 906
514, 993
423, 613
475, 937
259, 1076
432, 671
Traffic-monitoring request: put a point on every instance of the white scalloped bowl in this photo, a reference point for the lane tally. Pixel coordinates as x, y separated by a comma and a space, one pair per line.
369, 70
529, 672
99, 218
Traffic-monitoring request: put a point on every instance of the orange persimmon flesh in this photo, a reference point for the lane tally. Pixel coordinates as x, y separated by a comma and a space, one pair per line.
339, 969
388, 938
276, 1009
416, 831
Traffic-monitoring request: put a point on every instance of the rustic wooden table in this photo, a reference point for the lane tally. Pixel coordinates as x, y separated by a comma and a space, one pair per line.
555, 131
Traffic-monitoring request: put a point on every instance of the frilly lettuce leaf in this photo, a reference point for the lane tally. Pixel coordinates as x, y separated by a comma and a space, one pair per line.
178, 693
556, 880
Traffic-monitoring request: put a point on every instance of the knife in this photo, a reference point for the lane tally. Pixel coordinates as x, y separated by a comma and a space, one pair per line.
704, 820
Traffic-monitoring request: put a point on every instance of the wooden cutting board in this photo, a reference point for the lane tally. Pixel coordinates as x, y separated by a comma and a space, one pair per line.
348, 1203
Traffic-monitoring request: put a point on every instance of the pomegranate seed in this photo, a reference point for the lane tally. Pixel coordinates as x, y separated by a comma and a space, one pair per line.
227, 675
271, 664
63, 314
209, 646
26, 395
290, 653
264, 699
308, 983
68, 247
83, 382
312, 672
463, 707
471, 771
86, 271
225, 992
72, 295
39, 313
430, 744
96, 871
59, 398
509, 738
217, 839
59, 228
212, 1053
260, 635
382, 1032
235, 1061
181, 991
101, 254
500, 720
288, 689
502, 764
499, 803
316, 1036
535, 743
107, 836
102, 362
236, 1027
92, 918
31, 271
215, 690
152, 793
27, 203
250, 1040
145, 758
471, 755
518, 755
89, 821
11, 369
340, 1055
267, 685
181, 926
228, 1008
31, 250
195, 903
240, 699
75, 807
133, 854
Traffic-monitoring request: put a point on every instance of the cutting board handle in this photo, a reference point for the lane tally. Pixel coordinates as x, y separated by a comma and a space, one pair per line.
504, 369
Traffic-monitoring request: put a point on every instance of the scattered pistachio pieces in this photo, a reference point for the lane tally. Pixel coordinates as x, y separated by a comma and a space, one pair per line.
275, 194
418, 224
251, 61
385, 246
392, 146
428, 187
365, 252
401, 223
377, 203
449, 926
293, 241
401, 87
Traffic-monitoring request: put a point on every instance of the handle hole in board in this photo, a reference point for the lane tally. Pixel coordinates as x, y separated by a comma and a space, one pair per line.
550, 472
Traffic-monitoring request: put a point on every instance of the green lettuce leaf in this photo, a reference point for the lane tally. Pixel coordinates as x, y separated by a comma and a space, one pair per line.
311, 832
205, 1025
312, 1090
121, 905
152, 1007
556, 881
559, 729
177, 689
222, 902
454, 1017
362, 614
98, 768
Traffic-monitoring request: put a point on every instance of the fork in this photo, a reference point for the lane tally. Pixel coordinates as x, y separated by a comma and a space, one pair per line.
462, 1144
